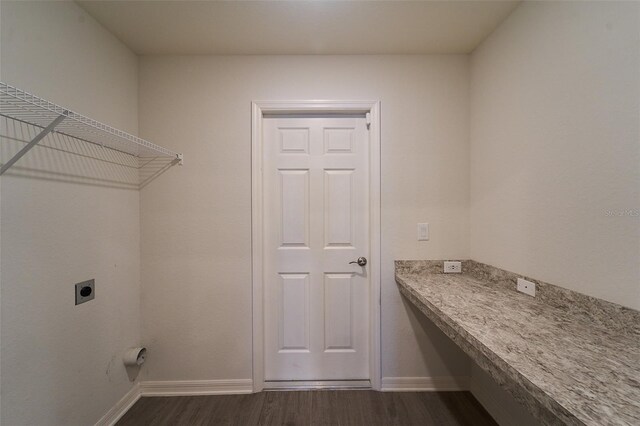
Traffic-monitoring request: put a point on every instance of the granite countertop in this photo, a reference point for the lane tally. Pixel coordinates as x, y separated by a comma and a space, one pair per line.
574, 361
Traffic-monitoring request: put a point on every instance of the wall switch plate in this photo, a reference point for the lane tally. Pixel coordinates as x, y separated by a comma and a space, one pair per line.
423, 232
526, 287
452, 267
85, 291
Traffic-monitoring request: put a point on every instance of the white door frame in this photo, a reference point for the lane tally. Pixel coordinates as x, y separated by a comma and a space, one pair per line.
258, 110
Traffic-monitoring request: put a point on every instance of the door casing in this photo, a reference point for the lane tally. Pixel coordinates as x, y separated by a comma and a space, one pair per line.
258, 111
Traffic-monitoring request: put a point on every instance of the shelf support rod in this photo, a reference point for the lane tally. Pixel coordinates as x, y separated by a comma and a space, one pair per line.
33, 142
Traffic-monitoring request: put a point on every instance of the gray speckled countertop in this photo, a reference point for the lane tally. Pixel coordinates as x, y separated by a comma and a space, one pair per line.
568, 358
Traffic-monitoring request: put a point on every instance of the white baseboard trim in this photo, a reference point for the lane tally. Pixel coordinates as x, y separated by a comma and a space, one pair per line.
413, 384
196, 387
238, 386
121, 407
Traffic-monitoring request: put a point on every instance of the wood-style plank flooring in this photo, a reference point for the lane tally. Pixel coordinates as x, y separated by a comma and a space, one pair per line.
327, 407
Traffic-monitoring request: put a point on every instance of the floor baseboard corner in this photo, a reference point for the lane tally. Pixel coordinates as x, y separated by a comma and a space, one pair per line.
121, 407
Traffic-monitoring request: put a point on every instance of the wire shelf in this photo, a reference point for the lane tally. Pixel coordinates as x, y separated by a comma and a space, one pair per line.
51, 119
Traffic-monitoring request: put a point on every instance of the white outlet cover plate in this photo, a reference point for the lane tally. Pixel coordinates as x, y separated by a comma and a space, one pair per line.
452, 267
526, 287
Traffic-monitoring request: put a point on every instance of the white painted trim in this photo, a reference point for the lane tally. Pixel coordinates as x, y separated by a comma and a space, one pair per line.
315, 106
173, 388
117, 411
243, 386
258, 110
375, 187
196, 387
412, 384
256, 247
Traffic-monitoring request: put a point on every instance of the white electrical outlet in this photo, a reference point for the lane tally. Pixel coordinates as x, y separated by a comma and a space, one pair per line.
423, 232
452, 267
526, 287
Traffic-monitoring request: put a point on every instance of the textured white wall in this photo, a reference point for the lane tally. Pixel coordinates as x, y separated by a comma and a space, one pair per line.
555, 144
61, 364
196, 234
555, 147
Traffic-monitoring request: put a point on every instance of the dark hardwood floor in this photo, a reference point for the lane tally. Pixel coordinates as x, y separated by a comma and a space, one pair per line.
329, 407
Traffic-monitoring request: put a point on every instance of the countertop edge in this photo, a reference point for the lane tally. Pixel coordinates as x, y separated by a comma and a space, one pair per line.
541, 405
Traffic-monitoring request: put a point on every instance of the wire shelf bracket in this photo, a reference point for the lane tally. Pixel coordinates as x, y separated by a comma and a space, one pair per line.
32, 143
16, 104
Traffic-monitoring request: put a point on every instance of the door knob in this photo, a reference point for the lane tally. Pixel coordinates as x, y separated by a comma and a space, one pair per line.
362, 261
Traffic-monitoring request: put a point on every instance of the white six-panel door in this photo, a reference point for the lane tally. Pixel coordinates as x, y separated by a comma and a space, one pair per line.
316, 221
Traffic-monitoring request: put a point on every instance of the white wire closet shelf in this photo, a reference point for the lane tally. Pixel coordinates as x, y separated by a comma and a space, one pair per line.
49, 118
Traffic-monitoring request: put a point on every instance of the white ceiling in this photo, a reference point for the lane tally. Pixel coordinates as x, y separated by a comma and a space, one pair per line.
300, 27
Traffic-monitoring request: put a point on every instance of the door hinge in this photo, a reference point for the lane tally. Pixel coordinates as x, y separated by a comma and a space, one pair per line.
367, 118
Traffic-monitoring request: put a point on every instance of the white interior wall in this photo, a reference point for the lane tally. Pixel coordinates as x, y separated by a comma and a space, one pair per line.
61, 364
196, 220
555, 125
555, 131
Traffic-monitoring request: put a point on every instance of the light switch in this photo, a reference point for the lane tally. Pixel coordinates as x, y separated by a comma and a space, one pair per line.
423, 232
